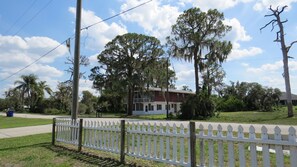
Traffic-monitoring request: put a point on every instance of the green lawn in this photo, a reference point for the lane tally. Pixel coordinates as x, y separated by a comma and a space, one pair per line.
276, 117
13, 122
36, 150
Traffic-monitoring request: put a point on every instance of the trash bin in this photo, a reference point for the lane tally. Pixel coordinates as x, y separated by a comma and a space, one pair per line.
9, 112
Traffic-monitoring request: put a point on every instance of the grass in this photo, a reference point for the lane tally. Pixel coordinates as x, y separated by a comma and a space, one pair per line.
13, 122
276, 117
36, 150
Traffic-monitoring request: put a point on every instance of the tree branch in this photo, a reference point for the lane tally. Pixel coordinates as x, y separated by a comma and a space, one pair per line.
271, 22
268, 15
277, 37
283, 8
284, 21
289, 47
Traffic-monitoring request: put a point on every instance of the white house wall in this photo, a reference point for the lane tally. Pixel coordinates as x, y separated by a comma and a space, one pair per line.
155, 111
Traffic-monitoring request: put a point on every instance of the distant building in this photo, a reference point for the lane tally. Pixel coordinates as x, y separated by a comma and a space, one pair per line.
154, 101
283, 99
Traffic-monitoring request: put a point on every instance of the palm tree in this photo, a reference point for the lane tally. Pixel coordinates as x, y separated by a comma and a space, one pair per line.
27, 85
42, 86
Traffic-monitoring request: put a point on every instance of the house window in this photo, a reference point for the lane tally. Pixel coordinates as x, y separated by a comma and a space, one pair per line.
138, 107
150, 107
168, 107
159, 107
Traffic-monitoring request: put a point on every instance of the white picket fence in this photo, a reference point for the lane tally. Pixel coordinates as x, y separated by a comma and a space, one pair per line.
159, 143
103, 136
67, 131
171, 144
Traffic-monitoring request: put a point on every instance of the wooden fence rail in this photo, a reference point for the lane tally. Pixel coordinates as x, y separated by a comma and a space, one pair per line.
176, 145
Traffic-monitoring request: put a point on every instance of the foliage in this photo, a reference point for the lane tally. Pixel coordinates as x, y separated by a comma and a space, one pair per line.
197, 107
125, 63
186, 88
89, 100
111, 103
248, 96
13, 99
30, 92
231, 104
196, 37
82, 109
63, 96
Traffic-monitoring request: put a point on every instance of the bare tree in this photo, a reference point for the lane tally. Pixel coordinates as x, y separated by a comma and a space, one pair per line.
280, 37
83, 61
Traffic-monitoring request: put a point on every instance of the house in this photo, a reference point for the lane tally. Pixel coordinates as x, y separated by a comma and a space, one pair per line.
283, 99
154, 101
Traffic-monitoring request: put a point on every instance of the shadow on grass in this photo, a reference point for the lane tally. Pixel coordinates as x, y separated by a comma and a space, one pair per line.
26, 146
87, 157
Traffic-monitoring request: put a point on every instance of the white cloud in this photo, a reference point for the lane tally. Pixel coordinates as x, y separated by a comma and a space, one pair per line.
26, 50
97, 36
185, 74
245, 64
241, 53
87, 85
264, 4
271, 74
236, 35
214, 4
93, 60
154, 18
277, 66
17, 52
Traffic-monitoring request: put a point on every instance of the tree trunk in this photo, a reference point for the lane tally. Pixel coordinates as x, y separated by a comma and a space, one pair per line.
288, 86
130, 100
286, 68
196, 70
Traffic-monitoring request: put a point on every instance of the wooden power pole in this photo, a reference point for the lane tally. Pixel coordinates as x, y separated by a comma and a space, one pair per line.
76, 62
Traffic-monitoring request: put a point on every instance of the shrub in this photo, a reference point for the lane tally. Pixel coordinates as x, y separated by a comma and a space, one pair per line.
231, 104
197, 107
82, 109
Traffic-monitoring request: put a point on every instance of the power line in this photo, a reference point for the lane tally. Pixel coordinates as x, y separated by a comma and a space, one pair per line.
34, 61
118, 14
36, 14
17, 20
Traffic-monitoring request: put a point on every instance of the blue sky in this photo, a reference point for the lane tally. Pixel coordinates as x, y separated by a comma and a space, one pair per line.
254, 58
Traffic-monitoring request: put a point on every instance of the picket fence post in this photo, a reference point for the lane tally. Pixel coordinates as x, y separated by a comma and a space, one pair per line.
122, 141
80, 134
192, 144
54, 131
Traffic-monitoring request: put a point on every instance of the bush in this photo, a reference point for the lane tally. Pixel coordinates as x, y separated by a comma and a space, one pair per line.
197, 107
82, 108
231, 104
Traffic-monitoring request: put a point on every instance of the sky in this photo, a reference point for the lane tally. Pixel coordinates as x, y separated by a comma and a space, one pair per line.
30, 28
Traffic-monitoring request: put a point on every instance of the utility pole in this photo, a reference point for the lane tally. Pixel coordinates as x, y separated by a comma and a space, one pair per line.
167, 91
76, 62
